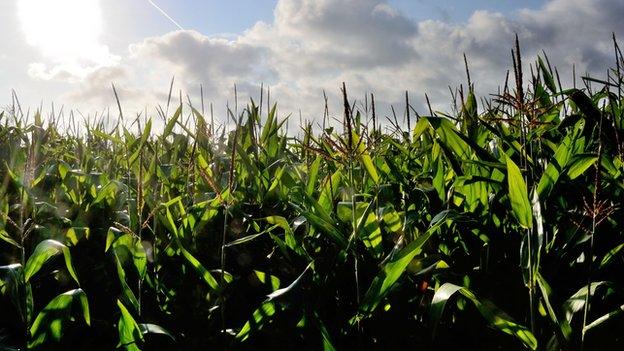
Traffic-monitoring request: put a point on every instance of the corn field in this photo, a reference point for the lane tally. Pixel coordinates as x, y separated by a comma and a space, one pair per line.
496, 226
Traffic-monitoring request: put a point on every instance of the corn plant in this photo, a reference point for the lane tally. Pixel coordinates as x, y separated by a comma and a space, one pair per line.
494, 226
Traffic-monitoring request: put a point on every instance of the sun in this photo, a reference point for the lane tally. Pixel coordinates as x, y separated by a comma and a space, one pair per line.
65, 31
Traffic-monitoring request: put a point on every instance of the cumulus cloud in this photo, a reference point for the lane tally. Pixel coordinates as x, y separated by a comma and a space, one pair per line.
198, 59
314, 45
330, 34
97, 85
576, 31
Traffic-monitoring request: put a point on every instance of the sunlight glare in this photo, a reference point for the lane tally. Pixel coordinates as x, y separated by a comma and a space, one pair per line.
65, 31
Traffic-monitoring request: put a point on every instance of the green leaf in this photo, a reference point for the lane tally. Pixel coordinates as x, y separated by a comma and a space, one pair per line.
172, 122
330, 189
109, 191
556, 166
327, 340
63, 168
128, 294
367, 228
326, 227
201, 270
449, 136
250, 237
365, 158
281, 292
576, 302
129, 247
497, 318
421, 126
392, 270
12, 287
608, 258
45, 251
271, 280
51, 321
604, 318
112, 235
548, 78
518, 195
130, 335
313, 175
4, 236
282, 222
392, 219
367, 161
75, 234
148, 328
366, 223
438, 180
260, 316
580, 163
441, 296
146, 133
563, 327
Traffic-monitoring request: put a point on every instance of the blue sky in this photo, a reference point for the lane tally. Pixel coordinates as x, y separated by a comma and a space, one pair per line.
70, 51
218, 17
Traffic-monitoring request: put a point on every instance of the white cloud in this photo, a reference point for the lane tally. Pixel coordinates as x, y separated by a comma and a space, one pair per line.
316, 44
198, 59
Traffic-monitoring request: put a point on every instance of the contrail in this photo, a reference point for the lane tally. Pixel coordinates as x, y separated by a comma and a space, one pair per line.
165, 14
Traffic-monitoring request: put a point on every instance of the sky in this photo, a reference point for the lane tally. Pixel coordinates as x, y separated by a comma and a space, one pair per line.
68, 52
